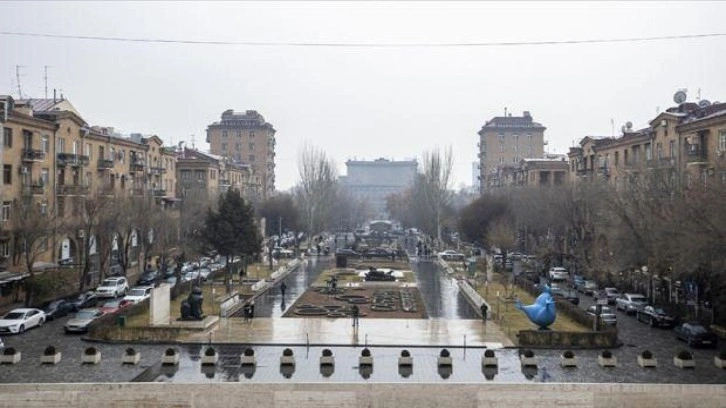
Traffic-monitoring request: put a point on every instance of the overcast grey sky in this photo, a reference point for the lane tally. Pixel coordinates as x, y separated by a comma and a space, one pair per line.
367, 102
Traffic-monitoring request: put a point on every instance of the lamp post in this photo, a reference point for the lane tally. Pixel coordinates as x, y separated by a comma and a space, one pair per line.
644, 269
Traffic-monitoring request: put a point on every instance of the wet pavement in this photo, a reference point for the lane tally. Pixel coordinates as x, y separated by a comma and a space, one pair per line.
441, 293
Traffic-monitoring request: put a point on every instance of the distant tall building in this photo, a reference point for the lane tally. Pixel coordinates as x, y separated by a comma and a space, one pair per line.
504, 141
246, 138
375, 180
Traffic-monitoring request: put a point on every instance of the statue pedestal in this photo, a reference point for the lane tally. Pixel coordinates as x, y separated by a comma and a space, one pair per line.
202, 325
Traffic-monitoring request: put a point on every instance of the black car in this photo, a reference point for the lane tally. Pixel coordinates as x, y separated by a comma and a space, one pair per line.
348, 253
378, 253
57, 308
148, 278
695, 334
655, 317
84, 300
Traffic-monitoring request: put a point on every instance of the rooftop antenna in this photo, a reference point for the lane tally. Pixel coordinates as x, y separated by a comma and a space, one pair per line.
17, 78
193, 147
505, 111
612, 127
45, 78
698, 94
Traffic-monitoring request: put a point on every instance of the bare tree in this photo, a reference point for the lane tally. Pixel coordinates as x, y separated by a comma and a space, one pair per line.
317, 189
432, 187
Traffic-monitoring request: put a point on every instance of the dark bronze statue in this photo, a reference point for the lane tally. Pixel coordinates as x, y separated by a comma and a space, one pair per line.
191, 309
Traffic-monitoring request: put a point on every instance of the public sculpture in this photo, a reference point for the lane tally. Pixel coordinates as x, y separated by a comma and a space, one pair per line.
542, 312
191, 309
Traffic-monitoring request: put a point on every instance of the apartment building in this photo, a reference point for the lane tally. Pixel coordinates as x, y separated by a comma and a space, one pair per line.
503, 142
682, 145
53, 160
205, 176
247, 139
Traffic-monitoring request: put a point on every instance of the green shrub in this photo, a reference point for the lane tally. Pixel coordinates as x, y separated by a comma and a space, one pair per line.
445, 353
488, 353
9, 351
130, 351
49, 351
287, 352
405, 353
606, 354
722, 355
170, 352
685, 355
327, 353
365, 352
91, 351
568, 354
209, 352
646, 355
249, 352
528, 353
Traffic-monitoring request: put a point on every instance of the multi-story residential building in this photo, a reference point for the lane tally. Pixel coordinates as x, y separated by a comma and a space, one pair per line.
246, 138
205, 176
682, 145
55, 161
373, 181
503, 142
541, 173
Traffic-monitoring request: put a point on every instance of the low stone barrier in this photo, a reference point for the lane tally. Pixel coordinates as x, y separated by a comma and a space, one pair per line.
560, 339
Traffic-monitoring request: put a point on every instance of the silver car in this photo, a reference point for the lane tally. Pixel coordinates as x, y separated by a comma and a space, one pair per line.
79, 323
606, 314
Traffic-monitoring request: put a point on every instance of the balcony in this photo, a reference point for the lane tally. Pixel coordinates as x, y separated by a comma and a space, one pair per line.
105, 164
33, 189
662, 163
76, 160
224, 182
694, 154
159, 193
72, 190
603, 171
108, 191
33, 155
136, 165
157, 170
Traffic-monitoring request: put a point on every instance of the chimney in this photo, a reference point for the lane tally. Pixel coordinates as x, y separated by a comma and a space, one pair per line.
527, 115
54, 97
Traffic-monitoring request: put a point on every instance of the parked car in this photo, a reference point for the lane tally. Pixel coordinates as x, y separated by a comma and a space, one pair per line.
279, 252
2, 344
451, 255
612, 294
695, 334
348, 252
567, 294
139, 294
589, 288
148, 278
57, 308
655, 317
204, 272
113, 287
113, 306
84, 300
190, 276
171, 280
20, 320
558, 273
630, 303
378, 253
79, 323
606, 314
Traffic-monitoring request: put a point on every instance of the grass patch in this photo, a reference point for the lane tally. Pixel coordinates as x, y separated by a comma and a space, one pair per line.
512, 320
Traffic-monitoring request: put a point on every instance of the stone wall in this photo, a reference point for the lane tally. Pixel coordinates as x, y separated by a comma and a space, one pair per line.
560, 339
360, 395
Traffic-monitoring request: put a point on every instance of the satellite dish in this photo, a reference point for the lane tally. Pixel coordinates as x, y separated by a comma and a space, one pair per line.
703, 103
629, 125
679, 97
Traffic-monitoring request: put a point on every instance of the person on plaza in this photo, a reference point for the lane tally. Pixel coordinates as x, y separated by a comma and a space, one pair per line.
283, 288
484, 309
246, 312
252, 310
356, 315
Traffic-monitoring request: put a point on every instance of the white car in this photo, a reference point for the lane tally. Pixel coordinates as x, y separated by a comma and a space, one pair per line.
19, 320
631, 302
558, 273
139, 294
113, 287
450, 254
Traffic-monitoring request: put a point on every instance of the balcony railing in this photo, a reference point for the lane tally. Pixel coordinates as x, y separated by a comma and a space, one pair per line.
159, 193
157, 170
105, 164
72, 159
694, 154
33, 155
72, 189
108, 191
33, 189
136, 165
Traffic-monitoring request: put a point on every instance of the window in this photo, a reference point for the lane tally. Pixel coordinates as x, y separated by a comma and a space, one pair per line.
5, 249
186, 175
44, 176
252, 158
617, 158
112, 153
501, 160
516, 138
212, 174
87, 151
501, 137
238, 146
252, 146
60, 145
7, 174
659, 150
224, 134
515, 148
200, 174
76, 147
7, 137
252, 134
5, 211
224, 146
722, 140
501, 148
239, 134
101, 153
44, 144
529, 137
514, 160
61, 206
43, 208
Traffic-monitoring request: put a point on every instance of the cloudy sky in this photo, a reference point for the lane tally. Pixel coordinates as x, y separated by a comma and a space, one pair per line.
366, 102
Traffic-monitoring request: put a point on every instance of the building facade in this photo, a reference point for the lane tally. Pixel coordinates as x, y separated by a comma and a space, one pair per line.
204, 176
373, 181
247, 139
503, 142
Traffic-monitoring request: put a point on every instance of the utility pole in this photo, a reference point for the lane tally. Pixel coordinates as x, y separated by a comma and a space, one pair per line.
45, 79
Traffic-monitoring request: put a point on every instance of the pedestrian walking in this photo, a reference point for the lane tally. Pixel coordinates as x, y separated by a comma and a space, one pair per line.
356, 315
283, 288
252, 310
484, 309
246, 312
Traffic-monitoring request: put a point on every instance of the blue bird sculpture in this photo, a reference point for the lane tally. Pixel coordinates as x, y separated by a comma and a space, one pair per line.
542, 312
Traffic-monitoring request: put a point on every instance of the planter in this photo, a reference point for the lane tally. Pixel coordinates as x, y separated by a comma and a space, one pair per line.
248, 360
132, 359
287, 360
716, 361
327, 360
607, 362
405, 361
528, 361
647, 362
680, 363
489, 361
210, 360
170, 360
51, 359
91, 358
10, 358
568, 362
363, 360
445, 361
